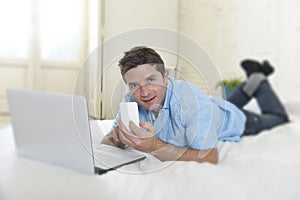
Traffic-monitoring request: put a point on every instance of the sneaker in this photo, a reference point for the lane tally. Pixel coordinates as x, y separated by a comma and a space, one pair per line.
266, 68
250, 66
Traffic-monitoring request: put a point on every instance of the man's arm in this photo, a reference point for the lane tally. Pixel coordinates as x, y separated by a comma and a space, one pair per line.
171, 152
148, 142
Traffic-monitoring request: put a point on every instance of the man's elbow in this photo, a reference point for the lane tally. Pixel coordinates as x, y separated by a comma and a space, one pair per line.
212, 156
214, 160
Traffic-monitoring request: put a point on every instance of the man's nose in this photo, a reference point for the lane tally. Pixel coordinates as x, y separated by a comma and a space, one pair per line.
144, 90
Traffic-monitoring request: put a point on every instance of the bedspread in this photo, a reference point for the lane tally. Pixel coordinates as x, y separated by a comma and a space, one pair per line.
266, 166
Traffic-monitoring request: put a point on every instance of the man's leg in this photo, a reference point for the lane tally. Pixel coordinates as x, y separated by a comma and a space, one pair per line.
238, 97
273, 112
253, 121
269, 103
256, 123
243, 94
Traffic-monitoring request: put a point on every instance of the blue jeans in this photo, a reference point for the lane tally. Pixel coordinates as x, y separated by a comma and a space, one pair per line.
272, 111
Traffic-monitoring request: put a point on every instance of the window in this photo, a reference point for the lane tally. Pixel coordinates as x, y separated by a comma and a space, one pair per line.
14, 23
43, 43
61, 29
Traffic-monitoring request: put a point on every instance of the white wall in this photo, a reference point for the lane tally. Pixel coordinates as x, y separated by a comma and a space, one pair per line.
123, 16
232, 30
229, 30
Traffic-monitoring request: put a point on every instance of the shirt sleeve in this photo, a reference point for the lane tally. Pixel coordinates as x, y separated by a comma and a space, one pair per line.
202, 127
202, 119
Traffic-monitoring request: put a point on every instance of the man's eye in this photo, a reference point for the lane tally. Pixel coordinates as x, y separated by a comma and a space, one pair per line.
150, 80
132, 86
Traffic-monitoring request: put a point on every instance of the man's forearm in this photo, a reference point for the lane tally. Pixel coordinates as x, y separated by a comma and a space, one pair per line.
169, 152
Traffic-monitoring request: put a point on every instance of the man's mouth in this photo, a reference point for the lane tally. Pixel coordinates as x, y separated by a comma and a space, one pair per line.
148, 100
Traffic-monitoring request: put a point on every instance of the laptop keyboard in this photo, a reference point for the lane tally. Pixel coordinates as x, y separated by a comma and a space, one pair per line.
108, 157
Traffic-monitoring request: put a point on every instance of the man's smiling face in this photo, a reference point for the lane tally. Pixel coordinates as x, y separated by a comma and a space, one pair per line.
147, 86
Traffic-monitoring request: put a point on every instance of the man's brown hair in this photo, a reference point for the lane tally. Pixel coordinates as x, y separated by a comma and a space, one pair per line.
141, 55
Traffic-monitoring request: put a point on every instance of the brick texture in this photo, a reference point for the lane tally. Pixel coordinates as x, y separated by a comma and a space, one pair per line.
233, 30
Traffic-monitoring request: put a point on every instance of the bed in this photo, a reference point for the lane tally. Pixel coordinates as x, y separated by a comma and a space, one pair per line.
266, 166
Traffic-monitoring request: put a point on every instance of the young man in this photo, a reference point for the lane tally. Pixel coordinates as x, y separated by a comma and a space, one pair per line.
178, 121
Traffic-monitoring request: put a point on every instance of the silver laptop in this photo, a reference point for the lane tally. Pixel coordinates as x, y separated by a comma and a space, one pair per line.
55, 128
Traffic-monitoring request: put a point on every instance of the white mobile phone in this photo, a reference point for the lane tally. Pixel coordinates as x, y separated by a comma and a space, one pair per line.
129, 112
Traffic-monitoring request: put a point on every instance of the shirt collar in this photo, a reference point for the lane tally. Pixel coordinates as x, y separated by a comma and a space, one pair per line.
168, 93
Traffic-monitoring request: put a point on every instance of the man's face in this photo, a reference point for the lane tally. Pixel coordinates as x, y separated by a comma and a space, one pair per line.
147, 86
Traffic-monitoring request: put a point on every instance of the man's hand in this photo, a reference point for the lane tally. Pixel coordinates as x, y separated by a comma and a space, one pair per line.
113, 139
145, 141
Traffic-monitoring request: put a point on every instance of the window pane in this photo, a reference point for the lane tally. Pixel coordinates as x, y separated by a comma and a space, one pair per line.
14, 23
61, 29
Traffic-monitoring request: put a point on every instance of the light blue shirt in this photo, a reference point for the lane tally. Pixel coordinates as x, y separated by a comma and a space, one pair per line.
190, 118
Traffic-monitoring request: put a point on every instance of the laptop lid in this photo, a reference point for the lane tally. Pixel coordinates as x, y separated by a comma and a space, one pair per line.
52, 127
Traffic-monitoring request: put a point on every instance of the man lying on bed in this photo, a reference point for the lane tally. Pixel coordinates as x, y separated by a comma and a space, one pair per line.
178, 121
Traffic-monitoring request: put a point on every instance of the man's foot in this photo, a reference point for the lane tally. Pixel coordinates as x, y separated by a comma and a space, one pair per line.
250, 66
266, 68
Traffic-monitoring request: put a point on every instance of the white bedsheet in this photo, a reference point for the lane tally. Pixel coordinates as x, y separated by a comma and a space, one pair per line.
266, 166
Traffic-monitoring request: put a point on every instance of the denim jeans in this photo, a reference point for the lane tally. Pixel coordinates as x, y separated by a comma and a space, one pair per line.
272, 111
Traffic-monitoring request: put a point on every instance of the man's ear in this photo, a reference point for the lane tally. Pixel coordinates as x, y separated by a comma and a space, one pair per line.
166, 74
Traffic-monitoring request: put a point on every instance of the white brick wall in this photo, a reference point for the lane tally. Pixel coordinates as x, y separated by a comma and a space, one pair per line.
232, 30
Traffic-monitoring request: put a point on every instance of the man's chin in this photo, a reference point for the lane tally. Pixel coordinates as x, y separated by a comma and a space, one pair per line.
155, 107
